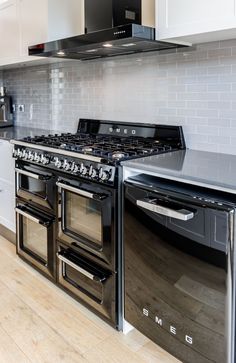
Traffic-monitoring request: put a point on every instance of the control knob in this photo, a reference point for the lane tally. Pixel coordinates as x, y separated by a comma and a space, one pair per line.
23, 154
14, 153
83, 169
93, 172
26, 155
19, 153
31, 156
45, 159
76, 168
58, 163
37, 157
104, 175
66, 165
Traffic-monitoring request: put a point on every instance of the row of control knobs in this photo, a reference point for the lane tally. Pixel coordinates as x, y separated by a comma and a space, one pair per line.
31, 156
82, 169
63, 164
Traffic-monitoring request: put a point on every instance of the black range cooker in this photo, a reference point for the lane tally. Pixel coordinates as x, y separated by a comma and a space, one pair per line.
69, 205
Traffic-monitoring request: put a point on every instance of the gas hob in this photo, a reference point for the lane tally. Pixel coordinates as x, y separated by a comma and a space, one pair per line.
97, 148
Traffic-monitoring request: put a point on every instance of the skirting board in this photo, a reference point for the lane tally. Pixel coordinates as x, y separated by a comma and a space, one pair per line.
8, 234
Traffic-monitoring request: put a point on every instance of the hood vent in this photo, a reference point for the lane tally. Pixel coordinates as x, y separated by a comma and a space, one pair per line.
120, 40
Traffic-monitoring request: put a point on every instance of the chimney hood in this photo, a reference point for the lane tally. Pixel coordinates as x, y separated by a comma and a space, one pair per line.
121, 40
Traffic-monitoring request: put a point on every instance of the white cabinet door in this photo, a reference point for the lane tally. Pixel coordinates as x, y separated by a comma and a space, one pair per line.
7, 163
9, 30
34, 23
7, 206
7, 186
27, 22
194, 19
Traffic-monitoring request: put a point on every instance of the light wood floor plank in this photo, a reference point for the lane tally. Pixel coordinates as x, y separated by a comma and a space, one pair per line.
39, 323
35, 338
9, 351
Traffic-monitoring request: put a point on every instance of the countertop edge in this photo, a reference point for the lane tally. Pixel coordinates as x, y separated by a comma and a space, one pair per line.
182, 180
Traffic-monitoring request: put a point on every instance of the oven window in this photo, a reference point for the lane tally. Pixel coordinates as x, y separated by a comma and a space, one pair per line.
89, 287
35, 238
83, 217
33, 186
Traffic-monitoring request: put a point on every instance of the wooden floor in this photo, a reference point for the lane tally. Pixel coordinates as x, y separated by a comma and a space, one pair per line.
39, 323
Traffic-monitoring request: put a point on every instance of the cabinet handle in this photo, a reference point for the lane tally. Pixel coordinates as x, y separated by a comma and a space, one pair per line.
181, 214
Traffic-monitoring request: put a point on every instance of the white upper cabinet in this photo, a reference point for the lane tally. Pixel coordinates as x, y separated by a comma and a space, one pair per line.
28, 22
9, 29
196, 21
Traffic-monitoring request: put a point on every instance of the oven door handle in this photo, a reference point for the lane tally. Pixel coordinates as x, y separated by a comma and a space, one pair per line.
32, 218
79, 269
181, 214
32, 175
83, 193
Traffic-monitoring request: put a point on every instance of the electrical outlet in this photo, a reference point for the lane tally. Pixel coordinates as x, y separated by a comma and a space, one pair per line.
21, 108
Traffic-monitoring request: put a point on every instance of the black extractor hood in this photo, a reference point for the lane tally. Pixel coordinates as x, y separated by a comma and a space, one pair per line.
116, 41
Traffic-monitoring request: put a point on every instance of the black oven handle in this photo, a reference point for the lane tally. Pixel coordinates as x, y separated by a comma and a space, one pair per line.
82, 192
32, 175
79, 269
31, 217
181, 214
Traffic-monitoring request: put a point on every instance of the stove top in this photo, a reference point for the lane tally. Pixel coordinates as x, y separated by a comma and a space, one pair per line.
96, 149
111, 148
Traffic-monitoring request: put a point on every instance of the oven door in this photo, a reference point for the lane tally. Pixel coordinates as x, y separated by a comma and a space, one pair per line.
35, 238
87, 219
90, 283
35, 185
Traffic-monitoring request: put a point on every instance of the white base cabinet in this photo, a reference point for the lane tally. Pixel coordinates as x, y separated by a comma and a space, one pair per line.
196, 21
28, 22
7, 186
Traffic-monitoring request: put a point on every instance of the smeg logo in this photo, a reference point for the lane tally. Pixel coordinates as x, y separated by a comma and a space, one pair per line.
172, 329
119, 32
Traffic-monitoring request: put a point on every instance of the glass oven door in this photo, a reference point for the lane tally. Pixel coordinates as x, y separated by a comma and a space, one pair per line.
87, 219
35, 185
90, 283
35, 238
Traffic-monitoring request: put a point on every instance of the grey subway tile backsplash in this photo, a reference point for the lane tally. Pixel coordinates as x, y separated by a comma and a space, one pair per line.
193, 87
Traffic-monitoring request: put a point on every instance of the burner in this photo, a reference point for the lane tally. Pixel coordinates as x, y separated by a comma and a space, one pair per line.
87, 149
117, 155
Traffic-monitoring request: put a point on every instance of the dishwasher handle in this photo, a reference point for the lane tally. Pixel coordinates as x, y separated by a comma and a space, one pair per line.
181, 214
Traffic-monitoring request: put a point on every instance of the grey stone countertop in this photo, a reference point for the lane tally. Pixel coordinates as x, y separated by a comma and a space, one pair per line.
18, 132
206, 169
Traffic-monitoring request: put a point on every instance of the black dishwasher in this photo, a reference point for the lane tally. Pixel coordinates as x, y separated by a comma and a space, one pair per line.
179, 268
